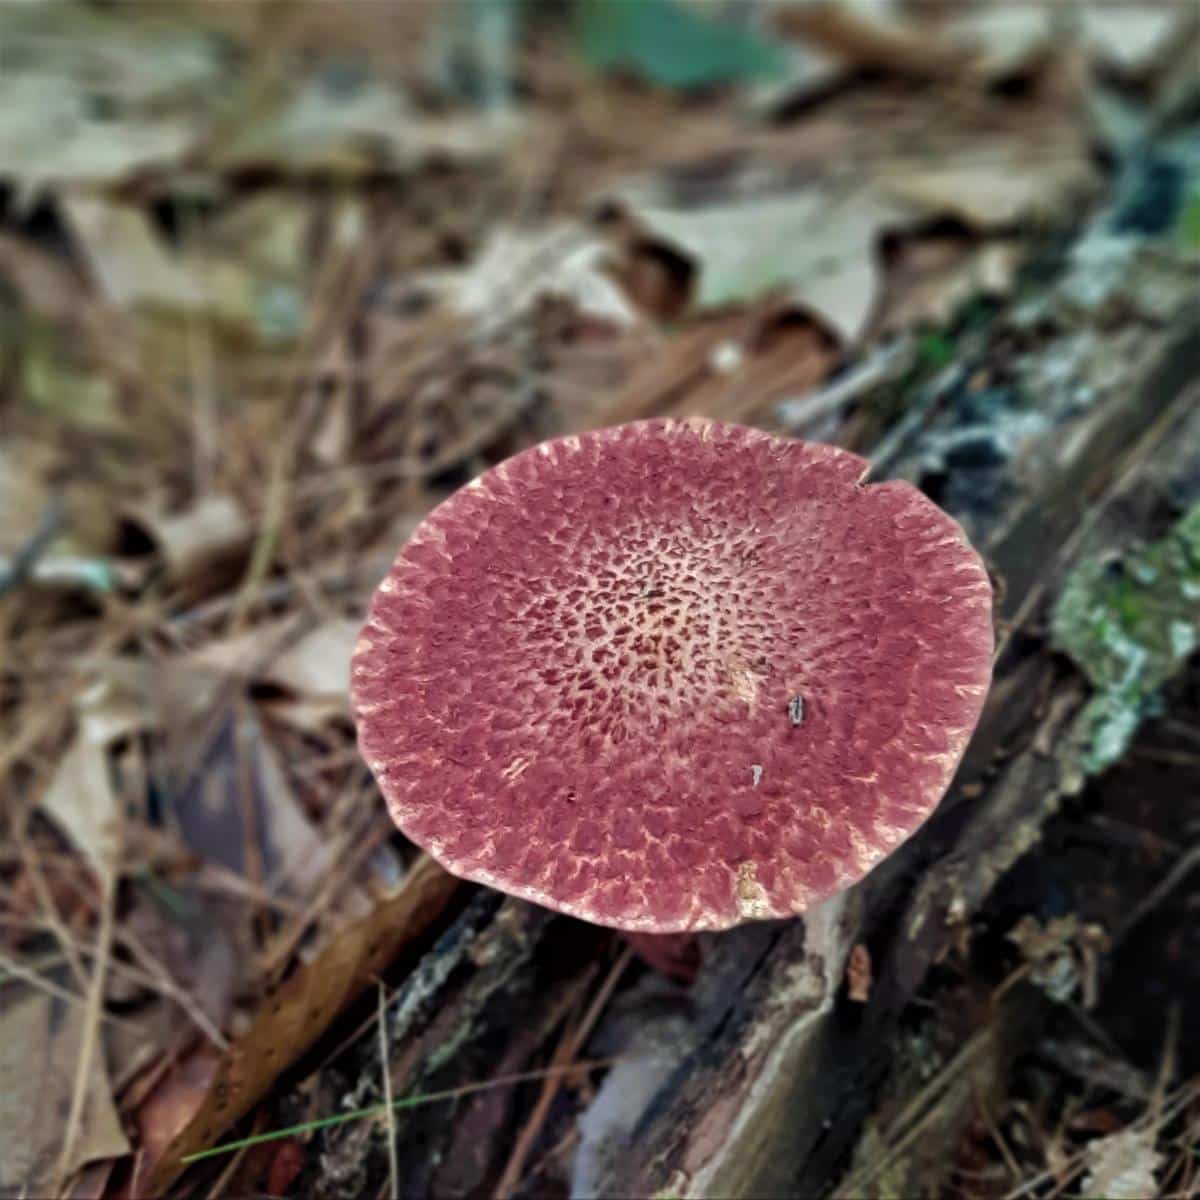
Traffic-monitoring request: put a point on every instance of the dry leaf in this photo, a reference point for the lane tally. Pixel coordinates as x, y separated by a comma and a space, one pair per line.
515, 270
241, 802
1001, 40
312, 670
309, 716
793, 225
58, 380
293, 1018
932, 278
32, 484
252, 264
92, 1182
994, 186
872, 36
348, 127
199, 944
248, 656
138, 1046
247, 269
315, 27
81, 798
981, 39
84, 148
270, 231
126, 255
296, 854
1131, 36
171, 1107
812, 243
126, 695
25, 492
88, 97
315, 665
190, 541
1122, 1166
732, 367
45, 284
40, 1040
83, 804
110, 707
319, 663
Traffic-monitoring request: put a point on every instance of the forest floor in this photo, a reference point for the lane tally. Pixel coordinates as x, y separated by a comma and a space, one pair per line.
275, 279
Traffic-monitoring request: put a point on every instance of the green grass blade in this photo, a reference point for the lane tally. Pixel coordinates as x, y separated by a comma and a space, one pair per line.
375, 1110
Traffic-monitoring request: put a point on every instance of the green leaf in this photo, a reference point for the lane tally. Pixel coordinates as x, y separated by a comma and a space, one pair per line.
671, 44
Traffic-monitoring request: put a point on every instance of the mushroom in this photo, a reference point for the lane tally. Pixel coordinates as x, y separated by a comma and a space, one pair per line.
674, 675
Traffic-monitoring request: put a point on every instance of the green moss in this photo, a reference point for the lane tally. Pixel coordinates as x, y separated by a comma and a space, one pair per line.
1129, 624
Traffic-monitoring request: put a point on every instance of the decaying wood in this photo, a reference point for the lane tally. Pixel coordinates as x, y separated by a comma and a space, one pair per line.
490, 994
764, 1085
791, 1112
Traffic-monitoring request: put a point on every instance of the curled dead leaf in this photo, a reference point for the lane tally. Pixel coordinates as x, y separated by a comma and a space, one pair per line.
811, 243
193, 541
516, 269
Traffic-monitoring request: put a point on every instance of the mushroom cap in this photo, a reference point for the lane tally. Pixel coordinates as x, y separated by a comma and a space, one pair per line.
673, 675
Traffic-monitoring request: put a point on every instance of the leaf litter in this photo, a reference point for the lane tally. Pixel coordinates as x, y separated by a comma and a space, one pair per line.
275, 289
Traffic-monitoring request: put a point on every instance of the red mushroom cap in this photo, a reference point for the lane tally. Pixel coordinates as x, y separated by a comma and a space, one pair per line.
673, 675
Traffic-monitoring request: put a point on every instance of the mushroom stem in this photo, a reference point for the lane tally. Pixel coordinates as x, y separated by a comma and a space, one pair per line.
676, 955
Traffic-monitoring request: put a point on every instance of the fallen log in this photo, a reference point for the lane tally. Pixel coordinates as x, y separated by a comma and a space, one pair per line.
774, 1105
1059, 434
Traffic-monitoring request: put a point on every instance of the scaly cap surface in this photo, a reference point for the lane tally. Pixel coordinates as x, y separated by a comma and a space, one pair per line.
673, 675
